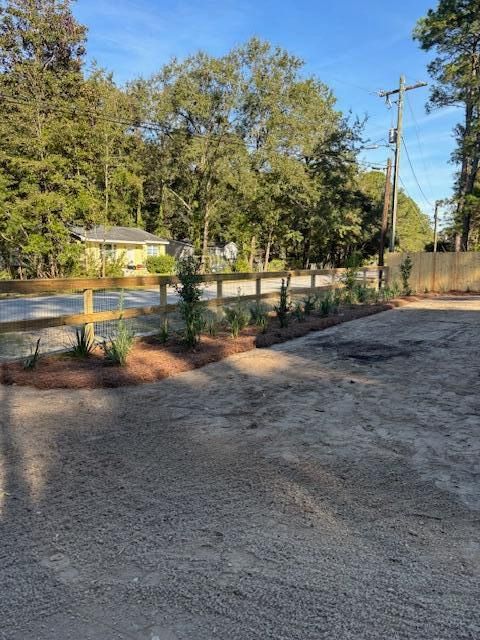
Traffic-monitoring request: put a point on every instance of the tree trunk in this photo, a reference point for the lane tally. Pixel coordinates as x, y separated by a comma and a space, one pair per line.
267, 251
206, 224
251, 259
307, 248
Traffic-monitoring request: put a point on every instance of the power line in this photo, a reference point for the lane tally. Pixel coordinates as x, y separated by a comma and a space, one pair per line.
420, 146
143, 124
415, 175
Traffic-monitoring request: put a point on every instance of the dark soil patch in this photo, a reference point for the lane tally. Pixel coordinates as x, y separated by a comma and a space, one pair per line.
276, 335
150, 361
364, 351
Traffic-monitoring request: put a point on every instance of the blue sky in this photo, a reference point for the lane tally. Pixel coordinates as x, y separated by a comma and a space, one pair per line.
355, 47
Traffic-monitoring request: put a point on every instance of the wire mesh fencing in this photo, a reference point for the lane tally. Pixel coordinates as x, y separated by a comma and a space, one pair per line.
54, 310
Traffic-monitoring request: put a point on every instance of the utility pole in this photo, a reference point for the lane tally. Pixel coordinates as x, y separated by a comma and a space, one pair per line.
386, 210
398, 146
435, 226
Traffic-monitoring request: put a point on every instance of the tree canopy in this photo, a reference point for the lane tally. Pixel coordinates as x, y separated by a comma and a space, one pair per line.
243, 147
452, 31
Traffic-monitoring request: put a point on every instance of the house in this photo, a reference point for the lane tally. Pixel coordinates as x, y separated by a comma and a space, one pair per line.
130, 245
222, 256
179, 249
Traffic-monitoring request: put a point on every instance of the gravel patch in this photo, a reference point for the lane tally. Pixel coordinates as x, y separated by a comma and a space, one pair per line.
324, 488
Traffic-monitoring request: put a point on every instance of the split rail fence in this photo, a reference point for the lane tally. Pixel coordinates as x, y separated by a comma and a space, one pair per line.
31, 306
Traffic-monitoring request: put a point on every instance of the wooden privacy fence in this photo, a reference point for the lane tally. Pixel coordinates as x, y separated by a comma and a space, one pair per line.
89, 285
441, 272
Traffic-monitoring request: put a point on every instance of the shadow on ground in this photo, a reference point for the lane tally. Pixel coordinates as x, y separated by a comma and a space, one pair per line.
326, 488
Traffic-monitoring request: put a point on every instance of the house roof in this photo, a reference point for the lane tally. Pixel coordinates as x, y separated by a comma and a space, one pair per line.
125, 235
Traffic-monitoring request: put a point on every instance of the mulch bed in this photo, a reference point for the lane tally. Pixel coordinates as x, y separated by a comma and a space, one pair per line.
150, 361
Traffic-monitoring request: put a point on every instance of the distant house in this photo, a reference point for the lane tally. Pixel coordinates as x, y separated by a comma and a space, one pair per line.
222, 256
132, 246
179, 249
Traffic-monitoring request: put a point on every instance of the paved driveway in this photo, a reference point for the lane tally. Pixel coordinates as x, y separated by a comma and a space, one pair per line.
327, 488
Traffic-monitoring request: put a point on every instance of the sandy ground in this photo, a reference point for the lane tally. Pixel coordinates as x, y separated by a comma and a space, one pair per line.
325, 488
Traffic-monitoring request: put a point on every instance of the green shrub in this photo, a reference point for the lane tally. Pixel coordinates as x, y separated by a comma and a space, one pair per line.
406, 267
83, 343
284, 305
349, 278
364, 294
310, 303
190, 307
114, 266
4, 275
330, 302
32, 360
241, 265
161, 264
299, 312
276, 265
237, 318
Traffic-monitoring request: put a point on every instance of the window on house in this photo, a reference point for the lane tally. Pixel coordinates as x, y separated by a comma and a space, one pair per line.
152, 249
109, 251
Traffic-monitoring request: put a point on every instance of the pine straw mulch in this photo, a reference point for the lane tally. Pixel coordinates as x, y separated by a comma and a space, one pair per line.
150, 360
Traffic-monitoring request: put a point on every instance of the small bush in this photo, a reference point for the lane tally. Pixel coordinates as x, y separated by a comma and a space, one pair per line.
114, 266
237, 318
276, 265
349, 278
190, 293
299, 312
259, 316
284, 305
329, 303
161, 264
310, 303
406, 267
117, 351
32, 360
363, 294
83, 344
241, 265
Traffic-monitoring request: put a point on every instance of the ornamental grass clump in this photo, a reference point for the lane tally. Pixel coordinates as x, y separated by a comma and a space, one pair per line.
259, 316
237, 318
116, 351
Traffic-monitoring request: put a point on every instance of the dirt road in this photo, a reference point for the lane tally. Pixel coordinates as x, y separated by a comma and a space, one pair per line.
327, 488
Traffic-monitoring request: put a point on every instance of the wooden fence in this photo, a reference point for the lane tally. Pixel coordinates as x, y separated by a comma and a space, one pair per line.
440, 272
88, 286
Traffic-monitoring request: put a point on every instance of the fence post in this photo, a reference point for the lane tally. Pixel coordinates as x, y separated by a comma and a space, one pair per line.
88, 308
258, 289
312, 280
364, 277
219, 289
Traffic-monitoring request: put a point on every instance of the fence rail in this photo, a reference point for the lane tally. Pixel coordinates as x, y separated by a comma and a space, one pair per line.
89, 285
